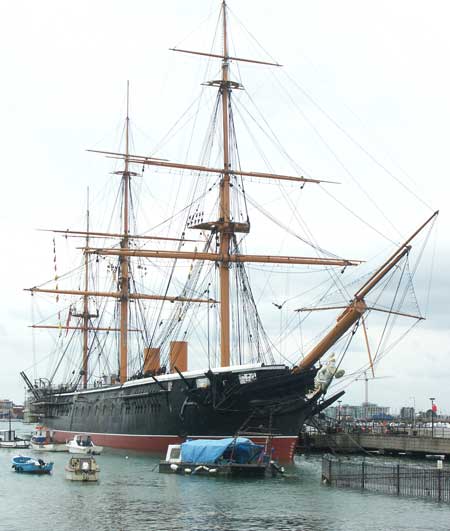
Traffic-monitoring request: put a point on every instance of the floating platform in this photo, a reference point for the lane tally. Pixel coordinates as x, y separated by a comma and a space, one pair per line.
230, 470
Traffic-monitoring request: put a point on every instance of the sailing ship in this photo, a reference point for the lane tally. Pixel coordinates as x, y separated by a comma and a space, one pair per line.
156, 397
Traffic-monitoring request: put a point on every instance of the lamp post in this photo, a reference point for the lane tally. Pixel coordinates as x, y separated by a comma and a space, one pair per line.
413, 398
432, 416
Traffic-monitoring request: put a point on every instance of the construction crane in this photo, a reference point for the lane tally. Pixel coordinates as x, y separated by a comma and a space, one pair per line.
366, 385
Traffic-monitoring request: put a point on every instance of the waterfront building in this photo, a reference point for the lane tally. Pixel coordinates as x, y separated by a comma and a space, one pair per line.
407, 413
7, 408
366, 411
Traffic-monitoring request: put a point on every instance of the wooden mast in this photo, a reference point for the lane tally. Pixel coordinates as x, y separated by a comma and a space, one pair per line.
224, 227
86, 302
124, 260
224, 232
85, 316
357, 307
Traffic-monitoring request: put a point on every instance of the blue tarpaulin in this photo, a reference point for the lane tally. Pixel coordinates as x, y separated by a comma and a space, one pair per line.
210, 451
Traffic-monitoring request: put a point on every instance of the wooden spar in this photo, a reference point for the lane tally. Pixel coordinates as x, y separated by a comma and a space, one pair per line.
117, 235
347, 319
118, 295
122, 155
402, 314
224, 57
224, 201
92, 328
140, 159
376, 277
366, 338
217, 257
357, 306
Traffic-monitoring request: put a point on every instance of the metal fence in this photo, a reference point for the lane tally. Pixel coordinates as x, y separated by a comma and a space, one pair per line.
397, 479
380, 429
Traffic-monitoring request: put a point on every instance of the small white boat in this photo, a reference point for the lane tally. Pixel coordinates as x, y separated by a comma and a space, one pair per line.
8, 439
42, 441
82, 469
83, 444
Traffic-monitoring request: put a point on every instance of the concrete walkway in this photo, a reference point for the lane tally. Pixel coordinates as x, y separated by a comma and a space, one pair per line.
388, 443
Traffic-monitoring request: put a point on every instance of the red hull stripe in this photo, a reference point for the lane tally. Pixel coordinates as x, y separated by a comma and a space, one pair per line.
282, 447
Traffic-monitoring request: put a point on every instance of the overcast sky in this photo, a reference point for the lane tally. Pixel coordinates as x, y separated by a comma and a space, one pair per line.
380, 69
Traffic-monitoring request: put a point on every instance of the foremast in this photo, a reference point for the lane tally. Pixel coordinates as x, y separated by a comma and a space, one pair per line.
225, 231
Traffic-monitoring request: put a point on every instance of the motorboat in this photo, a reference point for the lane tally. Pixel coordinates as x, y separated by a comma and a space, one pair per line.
42, 441
30, 465
82, 469
83, 444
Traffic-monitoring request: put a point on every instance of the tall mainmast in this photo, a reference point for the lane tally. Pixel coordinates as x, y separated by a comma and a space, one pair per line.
224, 226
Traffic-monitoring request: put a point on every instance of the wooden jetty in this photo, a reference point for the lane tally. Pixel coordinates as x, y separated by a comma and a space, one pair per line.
396, 479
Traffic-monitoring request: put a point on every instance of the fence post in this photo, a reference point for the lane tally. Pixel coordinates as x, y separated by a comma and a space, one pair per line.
439, 483
398, 480
363, 466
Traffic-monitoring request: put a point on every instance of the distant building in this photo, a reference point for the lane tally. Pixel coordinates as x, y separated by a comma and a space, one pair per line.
7, 408
407, 413
366, 411
17, 412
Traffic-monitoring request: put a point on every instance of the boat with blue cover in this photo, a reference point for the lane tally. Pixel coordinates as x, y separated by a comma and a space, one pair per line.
232, 456
29, 465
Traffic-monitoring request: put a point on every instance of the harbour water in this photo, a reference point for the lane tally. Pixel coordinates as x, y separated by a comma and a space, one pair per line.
133, 496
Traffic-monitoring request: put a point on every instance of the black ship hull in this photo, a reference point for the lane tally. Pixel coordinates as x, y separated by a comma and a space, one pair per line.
267, 403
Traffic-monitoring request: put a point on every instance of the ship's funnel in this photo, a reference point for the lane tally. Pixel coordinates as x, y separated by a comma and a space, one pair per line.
178, 356
151, 360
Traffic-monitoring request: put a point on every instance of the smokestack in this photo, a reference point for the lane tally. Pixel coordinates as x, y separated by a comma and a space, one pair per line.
178, 356
151, 360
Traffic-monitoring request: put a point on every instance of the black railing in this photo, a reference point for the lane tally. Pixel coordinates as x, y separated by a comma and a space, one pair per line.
397, 479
